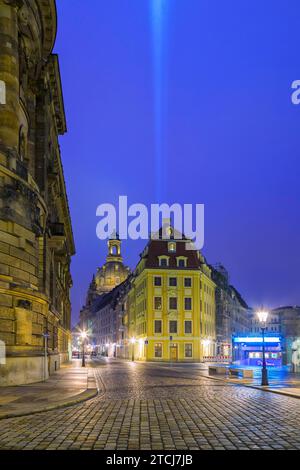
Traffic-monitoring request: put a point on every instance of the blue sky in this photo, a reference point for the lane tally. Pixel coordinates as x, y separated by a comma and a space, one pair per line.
187, 101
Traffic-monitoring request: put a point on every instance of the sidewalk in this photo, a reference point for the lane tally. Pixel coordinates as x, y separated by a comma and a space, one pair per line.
70, 385
281, 381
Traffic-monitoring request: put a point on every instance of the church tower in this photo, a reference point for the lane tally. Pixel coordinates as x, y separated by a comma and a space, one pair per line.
114, 250
113, 272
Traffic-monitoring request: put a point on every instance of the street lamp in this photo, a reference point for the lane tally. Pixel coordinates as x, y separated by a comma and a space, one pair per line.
262, 317
132, 348
206, 343
83, 335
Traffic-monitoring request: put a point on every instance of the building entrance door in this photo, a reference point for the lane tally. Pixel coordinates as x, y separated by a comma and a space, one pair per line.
174, 352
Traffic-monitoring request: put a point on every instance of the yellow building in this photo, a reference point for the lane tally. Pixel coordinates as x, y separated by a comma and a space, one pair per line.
171, 304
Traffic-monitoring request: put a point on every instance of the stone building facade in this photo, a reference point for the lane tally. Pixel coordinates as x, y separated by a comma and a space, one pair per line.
108, 333
283, 321
233, 316
36, 240
110, 275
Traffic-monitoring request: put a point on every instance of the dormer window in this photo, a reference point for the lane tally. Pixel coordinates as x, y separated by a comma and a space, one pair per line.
163, 261
181, 262
172, 247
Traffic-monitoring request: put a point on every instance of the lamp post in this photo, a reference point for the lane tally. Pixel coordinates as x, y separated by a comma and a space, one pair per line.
83, 335
263, 316
132, 348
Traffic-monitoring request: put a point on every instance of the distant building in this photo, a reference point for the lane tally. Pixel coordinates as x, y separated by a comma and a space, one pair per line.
282, 323
108, 334
107, 277
232, 312
273, 324
289, 324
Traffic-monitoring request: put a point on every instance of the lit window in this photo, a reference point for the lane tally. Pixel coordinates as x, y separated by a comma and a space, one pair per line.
158, 350
172, 247
188, 350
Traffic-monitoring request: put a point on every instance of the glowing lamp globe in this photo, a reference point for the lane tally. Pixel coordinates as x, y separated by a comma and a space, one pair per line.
262, 316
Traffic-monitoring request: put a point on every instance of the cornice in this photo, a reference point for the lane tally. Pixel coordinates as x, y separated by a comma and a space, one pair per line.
48, 14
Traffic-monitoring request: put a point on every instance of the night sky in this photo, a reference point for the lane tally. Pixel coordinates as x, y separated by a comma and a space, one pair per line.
187, 101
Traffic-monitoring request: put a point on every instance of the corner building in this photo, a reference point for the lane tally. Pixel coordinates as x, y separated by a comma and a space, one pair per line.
36, 240
171, 304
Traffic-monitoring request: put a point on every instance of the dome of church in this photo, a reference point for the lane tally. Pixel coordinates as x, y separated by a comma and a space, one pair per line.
113, 272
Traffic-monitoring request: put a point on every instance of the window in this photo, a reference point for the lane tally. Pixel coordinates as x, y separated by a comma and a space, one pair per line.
157, 326
181, 263
188, 327
187, 303
187, 282
173, 303
173, 281
157, 281
172, 247
163, 262
157, 303
173, 326
158, 350
188, 350
2, 92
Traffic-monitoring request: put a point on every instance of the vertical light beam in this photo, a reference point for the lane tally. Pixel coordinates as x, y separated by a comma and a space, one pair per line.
158, 17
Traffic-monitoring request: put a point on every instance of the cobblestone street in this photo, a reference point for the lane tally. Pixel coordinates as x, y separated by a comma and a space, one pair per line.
147, 406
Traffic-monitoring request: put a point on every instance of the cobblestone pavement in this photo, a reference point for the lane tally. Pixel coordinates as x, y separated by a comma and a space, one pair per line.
146, 406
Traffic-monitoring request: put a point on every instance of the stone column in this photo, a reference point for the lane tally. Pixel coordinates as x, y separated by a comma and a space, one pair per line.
9, 80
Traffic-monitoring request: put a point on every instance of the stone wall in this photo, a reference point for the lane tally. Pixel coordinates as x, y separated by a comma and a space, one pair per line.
36, 241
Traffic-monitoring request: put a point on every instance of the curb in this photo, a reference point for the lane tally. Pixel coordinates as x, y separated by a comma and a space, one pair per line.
256, 387
91, 392
82, 397
272, 390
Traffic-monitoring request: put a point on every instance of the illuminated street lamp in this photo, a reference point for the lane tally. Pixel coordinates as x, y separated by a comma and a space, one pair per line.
132, 348
262, 317
83, 335
206, 343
